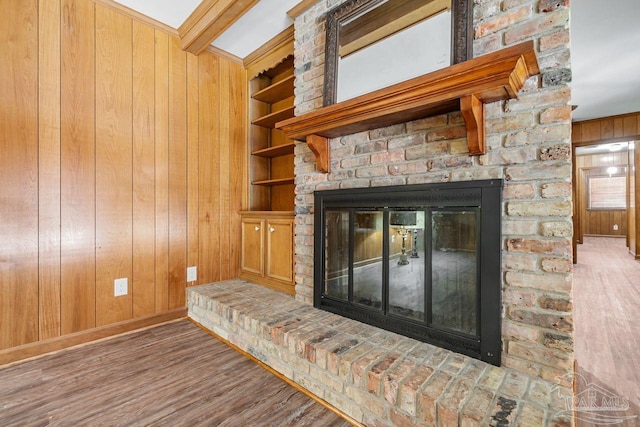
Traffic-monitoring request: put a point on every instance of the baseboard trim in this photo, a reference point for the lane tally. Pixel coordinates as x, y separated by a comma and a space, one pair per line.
282, 377
40, 348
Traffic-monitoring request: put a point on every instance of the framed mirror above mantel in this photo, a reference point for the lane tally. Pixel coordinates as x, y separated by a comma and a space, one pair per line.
372, 44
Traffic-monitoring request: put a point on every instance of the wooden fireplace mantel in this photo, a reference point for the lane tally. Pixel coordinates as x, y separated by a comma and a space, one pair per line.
466, 86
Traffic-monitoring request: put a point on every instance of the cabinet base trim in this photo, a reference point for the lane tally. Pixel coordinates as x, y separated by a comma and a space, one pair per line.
284, 287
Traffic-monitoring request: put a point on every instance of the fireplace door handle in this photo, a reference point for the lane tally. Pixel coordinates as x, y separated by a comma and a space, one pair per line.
256, 228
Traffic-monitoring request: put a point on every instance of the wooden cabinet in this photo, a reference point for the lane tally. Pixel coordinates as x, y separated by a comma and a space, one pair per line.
267, 252
267, 255
272, 177
252, 246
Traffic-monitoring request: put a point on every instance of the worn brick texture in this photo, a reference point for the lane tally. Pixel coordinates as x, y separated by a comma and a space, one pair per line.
528, 146
376, 377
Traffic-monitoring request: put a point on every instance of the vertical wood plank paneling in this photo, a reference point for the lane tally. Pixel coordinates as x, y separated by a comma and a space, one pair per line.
77, 166
626, 125
135, 144
143, 280
19, 173
606, 128
49, 167
618, 128
576, 132
209, 239
225, 140
177, 174
162, 170
114, 177
238, 161
630, 125
192, 162
636, 198
591, 131
632, 211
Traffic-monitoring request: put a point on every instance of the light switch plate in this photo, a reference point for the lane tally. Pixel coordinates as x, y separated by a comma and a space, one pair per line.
120, 287
192, 274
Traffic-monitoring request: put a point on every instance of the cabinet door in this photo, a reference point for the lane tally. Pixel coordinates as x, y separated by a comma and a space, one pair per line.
280, 249
252, 246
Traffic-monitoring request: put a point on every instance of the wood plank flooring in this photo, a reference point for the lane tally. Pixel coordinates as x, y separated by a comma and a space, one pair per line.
172, 374
607, 326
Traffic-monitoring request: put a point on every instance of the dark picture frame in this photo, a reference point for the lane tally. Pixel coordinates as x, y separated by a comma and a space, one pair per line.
461, 35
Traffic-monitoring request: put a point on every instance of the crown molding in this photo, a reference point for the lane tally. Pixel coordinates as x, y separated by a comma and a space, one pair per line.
140, 17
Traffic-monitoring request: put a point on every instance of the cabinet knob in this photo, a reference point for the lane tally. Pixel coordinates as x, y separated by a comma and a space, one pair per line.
272, 229
256, 228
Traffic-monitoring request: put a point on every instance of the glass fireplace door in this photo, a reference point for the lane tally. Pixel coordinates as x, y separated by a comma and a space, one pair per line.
454, 270
423, 261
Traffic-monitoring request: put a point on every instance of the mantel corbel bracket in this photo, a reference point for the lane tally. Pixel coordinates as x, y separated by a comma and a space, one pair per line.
319, 145
472, 110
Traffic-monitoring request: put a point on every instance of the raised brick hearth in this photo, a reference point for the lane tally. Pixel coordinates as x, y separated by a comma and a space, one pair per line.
375, 376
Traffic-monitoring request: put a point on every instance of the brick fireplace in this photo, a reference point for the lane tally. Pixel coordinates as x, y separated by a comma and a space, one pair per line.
381, 378
528, 146
419, 260
528, 143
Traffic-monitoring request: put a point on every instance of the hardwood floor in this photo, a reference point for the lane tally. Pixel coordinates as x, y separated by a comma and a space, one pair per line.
607, 336
172, 374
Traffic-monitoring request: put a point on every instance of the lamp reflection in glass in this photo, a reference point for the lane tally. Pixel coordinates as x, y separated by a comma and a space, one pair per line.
402, 220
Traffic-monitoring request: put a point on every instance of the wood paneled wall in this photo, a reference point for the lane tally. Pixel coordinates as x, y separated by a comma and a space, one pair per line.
634, 196
120, 156
599, 222
607, 128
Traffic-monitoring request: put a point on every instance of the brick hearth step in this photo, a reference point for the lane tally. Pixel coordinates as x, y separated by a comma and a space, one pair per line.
375, 376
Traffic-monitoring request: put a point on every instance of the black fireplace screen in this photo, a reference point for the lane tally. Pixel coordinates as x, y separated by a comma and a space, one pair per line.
419, 260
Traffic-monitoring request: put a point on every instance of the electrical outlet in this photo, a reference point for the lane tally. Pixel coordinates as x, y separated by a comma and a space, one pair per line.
615, 227
120, 287
192, 274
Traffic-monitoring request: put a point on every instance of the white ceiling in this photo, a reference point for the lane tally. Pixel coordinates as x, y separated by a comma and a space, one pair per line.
605, 46
605, 57
170, 12
260, 24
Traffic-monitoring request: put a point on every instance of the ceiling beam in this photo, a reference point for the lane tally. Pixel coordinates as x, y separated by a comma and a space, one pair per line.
301, 8
210, 19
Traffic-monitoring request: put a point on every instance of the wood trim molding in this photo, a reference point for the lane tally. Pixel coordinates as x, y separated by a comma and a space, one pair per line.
268, 214
27, 351
210, 19
133, 14
270, 54
301, 8
224, 54
281, 376
466, 86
